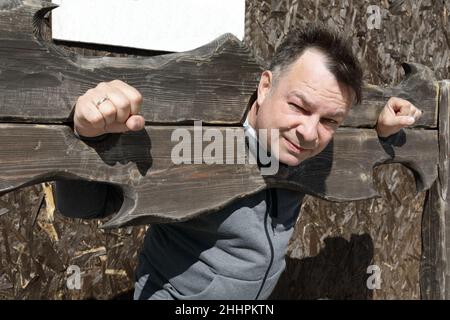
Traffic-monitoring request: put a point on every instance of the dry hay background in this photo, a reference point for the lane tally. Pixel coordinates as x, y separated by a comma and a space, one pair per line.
333, 243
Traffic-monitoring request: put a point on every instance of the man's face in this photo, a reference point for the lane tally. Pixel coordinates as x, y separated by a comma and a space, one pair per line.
306, 104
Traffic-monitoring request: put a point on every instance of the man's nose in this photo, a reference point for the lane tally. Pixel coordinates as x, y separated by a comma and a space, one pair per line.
307, 132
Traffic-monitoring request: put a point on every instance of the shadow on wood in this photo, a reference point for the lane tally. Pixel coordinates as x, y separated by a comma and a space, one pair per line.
330, 274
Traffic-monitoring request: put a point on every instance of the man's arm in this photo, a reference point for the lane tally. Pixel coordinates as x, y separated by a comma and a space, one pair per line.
110, 107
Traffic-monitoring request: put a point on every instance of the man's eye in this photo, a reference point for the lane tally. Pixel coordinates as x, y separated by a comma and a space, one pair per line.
295, 107
331, 122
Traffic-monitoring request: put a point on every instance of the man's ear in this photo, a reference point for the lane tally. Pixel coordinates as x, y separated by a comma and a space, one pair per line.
265, 84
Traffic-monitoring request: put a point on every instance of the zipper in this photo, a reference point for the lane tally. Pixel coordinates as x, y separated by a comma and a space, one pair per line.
272, 253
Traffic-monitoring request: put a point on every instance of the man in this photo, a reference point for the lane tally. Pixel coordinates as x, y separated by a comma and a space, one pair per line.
237, 252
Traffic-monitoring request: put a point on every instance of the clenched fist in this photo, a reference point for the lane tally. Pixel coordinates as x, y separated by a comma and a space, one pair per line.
397, 114
110, 107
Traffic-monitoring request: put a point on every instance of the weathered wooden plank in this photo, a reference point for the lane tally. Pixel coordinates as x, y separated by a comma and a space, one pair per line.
41, 82
140, 163
419, 86
435, 269
433, 262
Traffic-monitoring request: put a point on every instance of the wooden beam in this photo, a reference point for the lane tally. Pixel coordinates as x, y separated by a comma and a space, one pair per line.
419, 86
140, 163
435, 268
41, 82
213, 84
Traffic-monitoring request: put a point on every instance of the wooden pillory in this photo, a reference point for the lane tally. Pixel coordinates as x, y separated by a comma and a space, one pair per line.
40, 82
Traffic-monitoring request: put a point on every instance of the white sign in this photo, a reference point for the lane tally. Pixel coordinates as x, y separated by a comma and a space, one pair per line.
166, 25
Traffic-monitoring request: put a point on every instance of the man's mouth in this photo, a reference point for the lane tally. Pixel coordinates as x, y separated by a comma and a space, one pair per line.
294, 147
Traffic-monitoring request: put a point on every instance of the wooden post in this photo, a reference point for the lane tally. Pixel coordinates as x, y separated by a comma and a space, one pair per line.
434, 270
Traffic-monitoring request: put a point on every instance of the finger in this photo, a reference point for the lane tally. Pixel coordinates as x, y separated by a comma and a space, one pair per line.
88, 114
133, 95
387, 118
417, 114
404, 121
108, 111
118, 99
400, 106
116, 127
135, 123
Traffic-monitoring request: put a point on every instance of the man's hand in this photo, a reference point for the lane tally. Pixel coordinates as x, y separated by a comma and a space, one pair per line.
396, 114
110, 107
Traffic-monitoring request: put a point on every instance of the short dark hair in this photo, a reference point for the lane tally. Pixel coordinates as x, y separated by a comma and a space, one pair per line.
341, 61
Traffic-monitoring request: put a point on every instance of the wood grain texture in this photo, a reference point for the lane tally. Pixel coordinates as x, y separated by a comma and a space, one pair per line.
154, 187
327, 242
214, 83
419, 86
40, 82
333, 242
435, 269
